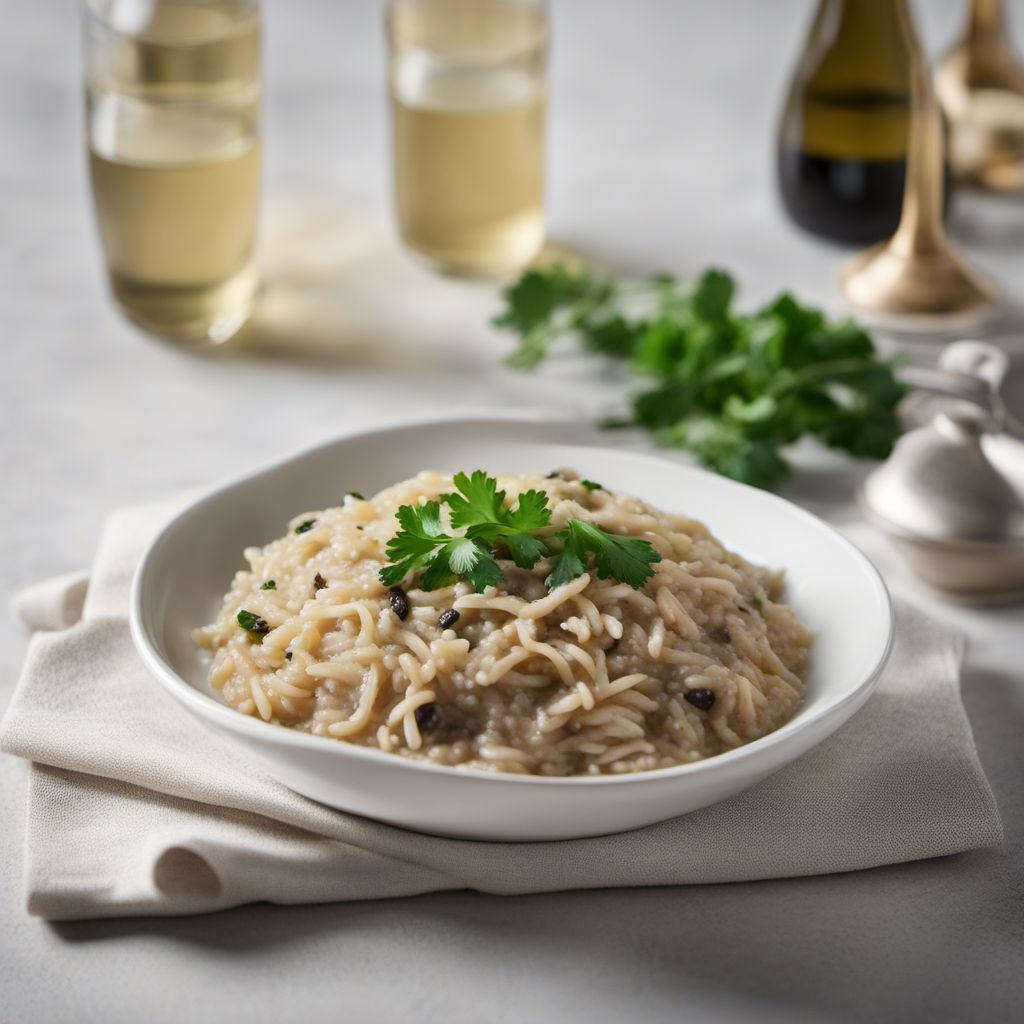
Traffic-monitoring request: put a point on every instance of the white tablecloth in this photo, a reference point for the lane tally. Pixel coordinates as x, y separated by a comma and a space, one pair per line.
661, 158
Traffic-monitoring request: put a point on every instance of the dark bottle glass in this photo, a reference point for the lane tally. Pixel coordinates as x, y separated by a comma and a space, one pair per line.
843, 137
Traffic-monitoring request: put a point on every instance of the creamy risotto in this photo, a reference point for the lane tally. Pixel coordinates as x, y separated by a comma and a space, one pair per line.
593, 677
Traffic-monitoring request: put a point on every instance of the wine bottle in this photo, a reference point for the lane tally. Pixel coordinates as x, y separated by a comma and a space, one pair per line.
843, 136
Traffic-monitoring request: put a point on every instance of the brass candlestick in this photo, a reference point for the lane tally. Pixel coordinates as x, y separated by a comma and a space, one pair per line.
917, 280
980, 85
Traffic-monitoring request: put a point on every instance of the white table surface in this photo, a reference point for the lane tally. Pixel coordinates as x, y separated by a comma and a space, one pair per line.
660, 157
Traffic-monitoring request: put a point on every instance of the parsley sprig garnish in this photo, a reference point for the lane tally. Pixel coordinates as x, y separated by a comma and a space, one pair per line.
483, 528
734, 389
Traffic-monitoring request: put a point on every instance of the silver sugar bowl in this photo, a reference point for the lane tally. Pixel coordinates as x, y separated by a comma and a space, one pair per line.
951, 495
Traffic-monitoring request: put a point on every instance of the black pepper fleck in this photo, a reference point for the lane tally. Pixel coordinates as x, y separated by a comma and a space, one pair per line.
428, 717
702, 698
287, 655
399, 601
448, 618
318, 583
723, 636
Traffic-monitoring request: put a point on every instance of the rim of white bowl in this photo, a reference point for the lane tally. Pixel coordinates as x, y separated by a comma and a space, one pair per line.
207, 707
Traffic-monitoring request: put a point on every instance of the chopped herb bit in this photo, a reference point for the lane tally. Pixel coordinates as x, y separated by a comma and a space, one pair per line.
701, 698
591, 486
306, 526
287, 655
356, 495
318, 583
759, 598
399, 601
448, 618
256, 625
269, 585
554, 475
428, 717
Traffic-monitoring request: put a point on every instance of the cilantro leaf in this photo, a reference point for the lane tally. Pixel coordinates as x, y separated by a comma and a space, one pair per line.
485, 571
626, 559
464, 554
416, 543
490, 527
477, 502
734, 389
713, 295
531, 512
570, 563
525, 549
544, 304
438, 572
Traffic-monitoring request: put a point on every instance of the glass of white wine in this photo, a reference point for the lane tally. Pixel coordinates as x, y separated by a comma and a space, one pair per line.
173, 124
468, 83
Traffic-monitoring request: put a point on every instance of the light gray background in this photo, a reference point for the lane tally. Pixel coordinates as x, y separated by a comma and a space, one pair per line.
660, 157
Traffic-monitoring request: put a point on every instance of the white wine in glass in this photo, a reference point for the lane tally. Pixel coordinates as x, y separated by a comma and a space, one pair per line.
468, 96
173, 107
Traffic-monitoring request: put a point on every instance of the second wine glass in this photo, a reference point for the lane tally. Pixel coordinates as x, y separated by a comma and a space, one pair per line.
468, 83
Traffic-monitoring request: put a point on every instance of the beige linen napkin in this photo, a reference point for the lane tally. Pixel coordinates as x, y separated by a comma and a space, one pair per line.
137, 808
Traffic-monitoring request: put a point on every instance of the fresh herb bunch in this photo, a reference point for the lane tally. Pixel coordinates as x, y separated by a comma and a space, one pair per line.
733, 389
491, 529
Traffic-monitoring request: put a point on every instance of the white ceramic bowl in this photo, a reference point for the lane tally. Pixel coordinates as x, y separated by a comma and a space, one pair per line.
188, 567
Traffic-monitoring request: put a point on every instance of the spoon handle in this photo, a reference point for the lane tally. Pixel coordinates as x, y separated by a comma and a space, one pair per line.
971, 371
952, 383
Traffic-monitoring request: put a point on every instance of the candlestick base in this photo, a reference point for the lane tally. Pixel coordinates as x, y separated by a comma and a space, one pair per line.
933, 291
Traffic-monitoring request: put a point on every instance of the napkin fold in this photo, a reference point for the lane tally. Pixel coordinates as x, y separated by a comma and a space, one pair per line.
135, 807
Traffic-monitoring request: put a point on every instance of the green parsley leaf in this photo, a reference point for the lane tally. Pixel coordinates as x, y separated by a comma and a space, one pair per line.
356, 495
590, 485
269, 585
306, 526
